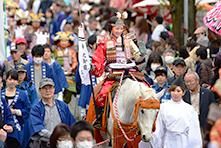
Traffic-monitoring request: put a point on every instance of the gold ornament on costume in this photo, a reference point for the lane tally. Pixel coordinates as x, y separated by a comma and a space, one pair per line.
36, 17
64, 35
20, 14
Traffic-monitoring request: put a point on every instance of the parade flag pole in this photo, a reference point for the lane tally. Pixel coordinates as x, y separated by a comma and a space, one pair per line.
3, 39
5, 31
84, 61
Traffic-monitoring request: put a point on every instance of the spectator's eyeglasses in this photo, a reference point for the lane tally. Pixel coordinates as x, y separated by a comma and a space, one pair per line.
64, 139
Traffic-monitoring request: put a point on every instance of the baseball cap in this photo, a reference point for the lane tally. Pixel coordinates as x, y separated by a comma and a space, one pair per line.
20, 67
46, 81
20, 40
200, 30
179, 61
161, 69
14, 48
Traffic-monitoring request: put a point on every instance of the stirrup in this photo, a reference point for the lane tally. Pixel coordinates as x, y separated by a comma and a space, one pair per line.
96, 124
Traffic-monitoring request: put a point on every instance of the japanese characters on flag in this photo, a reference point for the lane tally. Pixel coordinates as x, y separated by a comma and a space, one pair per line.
83, 57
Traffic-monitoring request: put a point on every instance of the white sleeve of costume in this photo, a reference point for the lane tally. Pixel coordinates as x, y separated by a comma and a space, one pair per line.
158, 135
194, 134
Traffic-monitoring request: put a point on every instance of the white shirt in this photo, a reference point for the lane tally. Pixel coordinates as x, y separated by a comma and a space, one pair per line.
157, 31
177, 126
195, 100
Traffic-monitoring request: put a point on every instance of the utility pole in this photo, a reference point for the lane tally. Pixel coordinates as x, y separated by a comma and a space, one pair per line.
185, 21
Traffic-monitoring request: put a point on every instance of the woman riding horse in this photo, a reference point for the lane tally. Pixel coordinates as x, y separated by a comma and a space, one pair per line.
114, 53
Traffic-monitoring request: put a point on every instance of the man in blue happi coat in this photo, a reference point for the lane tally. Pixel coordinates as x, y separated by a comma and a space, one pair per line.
57, 69
38, 70
86, 90
46, 115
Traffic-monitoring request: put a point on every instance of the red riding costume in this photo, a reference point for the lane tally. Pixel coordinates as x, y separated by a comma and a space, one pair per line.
114, 54
107, 54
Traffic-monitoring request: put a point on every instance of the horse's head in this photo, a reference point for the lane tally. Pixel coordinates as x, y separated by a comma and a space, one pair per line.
147, 112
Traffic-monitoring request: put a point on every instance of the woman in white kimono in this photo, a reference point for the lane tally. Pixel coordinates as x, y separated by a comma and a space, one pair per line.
177, 124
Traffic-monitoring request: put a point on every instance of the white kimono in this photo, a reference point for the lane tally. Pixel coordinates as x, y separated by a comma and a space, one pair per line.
177, 126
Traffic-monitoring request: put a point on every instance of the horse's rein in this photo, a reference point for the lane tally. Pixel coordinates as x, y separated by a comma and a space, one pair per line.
116, 110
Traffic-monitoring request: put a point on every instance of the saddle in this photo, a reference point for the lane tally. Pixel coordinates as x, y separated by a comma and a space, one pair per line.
111, 77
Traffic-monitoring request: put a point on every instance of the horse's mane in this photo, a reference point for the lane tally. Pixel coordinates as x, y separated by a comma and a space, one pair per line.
147, 92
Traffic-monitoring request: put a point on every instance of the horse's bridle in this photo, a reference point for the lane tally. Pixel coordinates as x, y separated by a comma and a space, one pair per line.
147, 104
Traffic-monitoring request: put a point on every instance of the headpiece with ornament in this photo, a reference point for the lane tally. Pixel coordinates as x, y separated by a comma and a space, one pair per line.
7, 3
36, 17
20, 14
120, 20
64, 35
10, 4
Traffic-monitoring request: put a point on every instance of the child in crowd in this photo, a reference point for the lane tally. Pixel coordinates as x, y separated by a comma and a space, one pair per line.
24, 85
161, 77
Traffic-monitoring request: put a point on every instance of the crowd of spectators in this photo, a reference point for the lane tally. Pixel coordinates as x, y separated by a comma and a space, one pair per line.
41, 78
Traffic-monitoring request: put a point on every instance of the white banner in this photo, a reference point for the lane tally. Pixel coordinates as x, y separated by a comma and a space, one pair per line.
2, 36
83, 58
